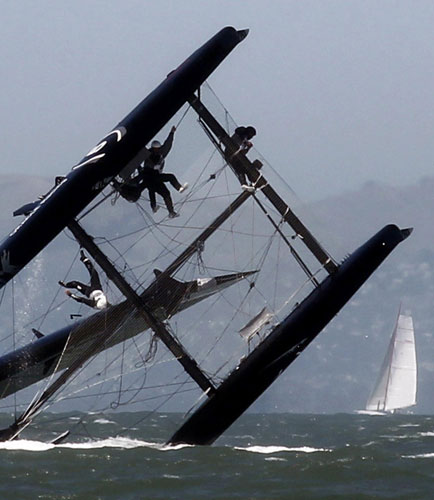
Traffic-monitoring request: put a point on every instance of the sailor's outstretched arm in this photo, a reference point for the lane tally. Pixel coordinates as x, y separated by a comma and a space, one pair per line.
167, 145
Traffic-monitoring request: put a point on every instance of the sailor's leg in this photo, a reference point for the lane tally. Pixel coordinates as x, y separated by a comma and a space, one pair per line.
239, 169
95, 283
162, 190
172, 179
82, 300
152, 199
86, 261
78, 285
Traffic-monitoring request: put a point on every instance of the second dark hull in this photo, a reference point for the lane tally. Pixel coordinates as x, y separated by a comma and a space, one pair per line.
261, 368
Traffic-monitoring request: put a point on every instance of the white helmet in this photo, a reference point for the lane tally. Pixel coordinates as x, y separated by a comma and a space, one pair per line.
155, 144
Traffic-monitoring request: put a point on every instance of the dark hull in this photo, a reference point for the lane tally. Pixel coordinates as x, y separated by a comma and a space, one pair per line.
259, 370
106, 160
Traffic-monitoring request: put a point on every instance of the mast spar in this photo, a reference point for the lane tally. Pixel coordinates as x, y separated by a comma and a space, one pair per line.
157, 326
219, 136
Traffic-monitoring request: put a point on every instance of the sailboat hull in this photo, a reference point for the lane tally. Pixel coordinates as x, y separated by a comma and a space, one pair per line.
261, 368
73, 192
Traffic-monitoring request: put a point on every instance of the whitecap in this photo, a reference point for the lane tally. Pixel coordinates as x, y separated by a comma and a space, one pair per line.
422, 455
114, 442
280, 449
121, 442
26, 445
103, 421
369, 443
396, 437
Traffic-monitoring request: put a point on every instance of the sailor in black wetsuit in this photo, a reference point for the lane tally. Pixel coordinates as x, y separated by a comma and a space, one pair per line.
242, 139
150, 176
94, 296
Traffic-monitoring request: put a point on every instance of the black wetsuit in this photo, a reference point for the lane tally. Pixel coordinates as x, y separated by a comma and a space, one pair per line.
151, 177
241, 139
94, 296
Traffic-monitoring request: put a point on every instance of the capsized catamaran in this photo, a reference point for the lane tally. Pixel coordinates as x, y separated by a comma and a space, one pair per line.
396, 385
239, 246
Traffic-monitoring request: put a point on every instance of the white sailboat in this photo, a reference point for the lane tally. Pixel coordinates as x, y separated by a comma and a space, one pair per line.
397, 382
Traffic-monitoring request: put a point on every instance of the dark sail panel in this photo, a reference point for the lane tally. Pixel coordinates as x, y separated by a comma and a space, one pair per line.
86, 179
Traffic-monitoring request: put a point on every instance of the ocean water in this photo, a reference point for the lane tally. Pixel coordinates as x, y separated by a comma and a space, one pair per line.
280, 456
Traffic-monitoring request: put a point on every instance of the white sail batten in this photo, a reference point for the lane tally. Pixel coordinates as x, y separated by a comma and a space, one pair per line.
397, 383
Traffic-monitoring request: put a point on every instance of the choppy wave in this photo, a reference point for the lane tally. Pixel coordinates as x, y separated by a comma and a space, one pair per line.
260, 454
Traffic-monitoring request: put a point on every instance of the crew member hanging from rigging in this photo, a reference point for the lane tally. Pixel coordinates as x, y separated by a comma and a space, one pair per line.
150, 176
242, 138
94, 296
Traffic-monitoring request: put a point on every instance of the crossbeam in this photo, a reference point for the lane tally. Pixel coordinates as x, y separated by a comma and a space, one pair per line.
181, 355
250, 169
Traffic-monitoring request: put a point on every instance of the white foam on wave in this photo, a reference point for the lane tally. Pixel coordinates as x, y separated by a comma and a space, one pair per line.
391, 437
103, 421
121, 442
116, 442
422, 455
26, 445
280, 449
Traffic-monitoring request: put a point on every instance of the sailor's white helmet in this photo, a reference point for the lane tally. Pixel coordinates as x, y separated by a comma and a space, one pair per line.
155, 144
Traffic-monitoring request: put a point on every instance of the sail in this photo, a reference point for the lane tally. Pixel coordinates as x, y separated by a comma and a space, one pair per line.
397, 382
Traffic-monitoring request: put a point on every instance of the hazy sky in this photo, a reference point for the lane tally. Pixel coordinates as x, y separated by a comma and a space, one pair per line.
340, 91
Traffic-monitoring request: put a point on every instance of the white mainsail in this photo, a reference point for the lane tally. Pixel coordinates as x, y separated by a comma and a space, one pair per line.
397, 383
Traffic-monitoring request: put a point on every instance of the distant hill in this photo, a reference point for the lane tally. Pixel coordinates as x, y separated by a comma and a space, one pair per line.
337, 372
